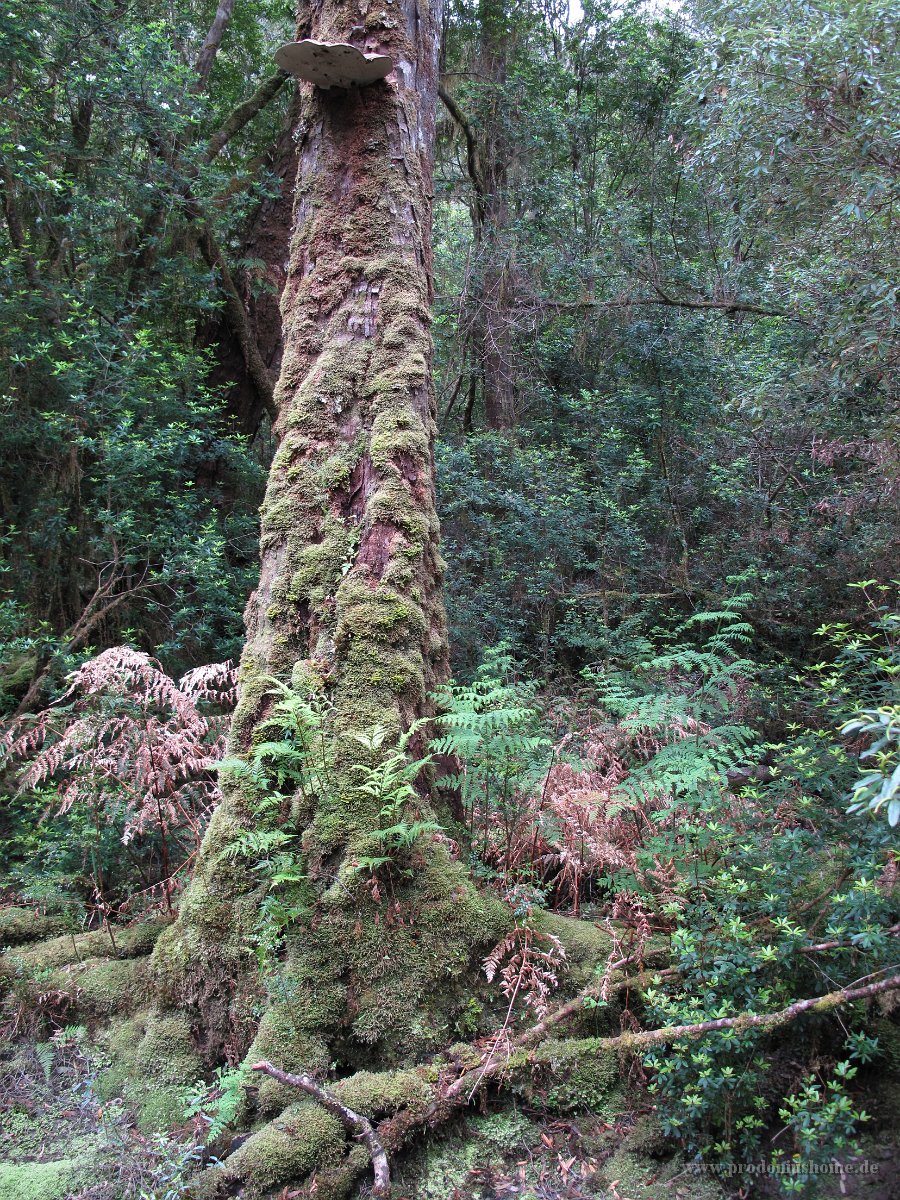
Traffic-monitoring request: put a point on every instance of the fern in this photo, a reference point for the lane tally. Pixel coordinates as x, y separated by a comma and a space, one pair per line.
293, 758
391, 781
680, 703
217, 1104
127, 743
492, 730
45, 1053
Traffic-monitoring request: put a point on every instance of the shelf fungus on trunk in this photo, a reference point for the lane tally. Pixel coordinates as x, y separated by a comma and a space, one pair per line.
332, 64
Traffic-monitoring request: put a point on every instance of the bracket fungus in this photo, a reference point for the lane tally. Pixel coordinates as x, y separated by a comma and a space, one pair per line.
332, 64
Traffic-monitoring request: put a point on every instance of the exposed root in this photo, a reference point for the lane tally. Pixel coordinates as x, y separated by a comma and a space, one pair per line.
357, 1124
526, 1050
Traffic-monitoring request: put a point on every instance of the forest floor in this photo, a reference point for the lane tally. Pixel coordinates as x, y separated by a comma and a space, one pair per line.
59, 1140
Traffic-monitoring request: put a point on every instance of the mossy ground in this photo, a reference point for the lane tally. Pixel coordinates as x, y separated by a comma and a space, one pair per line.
521, 1152
60, 1139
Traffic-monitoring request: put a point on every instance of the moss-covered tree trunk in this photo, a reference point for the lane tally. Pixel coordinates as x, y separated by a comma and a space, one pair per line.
348, 606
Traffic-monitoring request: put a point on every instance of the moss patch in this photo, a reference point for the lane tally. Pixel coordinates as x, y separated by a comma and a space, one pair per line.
639, 1177
153, 1059
18, 925
38, 1180
304, 1138
130, 942
579, 1075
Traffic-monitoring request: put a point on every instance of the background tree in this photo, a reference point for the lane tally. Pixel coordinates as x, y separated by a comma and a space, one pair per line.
128, 502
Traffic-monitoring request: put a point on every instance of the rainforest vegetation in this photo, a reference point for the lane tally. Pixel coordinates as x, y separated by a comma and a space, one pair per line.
450, 601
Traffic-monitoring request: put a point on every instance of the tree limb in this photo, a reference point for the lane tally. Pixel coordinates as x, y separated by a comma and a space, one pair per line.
236, 315
357, 1124
16, 232
210, 49
244, 113
665, 301
473, 161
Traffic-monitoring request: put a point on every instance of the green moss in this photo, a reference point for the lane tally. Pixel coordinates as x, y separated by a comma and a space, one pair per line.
38, 1180
302, 1139
411, 980
444, 1170
381, 614
586, 946
217, 917
70, 948
153, 1058
317, 569
638, 1177
160, 1108
646, 1138
291, 1035
440, 1166
18, 925
581, 1075
385, 1092
100, 987
391, 505
508, 1130
396, 433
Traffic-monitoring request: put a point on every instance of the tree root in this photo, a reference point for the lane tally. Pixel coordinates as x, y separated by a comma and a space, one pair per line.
450, 1097
354, 1122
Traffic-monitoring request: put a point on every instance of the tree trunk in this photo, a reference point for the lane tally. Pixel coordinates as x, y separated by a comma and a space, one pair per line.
348, 607
488, 153
493, 328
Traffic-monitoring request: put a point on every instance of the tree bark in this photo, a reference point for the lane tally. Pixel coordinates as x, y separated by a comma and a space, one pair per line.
487, 158
348, 607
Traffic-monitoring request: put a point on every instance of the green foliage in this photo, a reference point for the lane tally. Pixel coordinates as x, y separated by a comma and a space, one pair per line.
217, 1103
749, 870
655, 170
390, 782
880, 783
823, 1120
740, 875
130, 503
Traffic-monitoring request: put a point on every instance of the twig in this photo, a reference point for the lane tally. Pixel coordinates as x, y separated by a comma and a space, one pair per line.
357, 1124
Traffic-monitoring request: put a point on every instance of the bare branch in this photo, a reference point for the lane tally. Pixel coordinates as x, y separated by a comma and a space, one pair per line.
357, 1124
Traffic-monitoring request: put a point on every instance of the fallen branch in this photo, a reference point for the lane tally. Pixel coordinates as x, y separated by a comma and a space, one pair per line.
356, 1124
394, 1131
674, 1033
453, 1096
